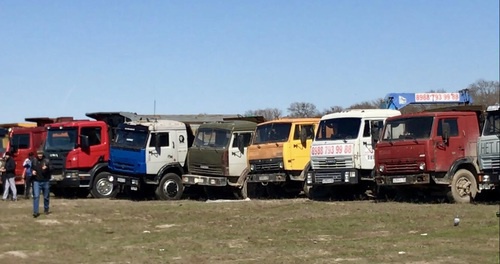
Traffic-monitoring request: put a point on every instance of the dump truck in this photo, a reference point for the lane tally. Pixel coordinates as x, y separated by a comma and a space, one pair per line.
342, 159
277, 156
435, 152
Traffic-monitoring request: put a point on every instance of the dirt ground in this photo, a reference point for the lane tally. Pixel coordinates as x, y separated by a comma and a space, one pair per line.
254, 231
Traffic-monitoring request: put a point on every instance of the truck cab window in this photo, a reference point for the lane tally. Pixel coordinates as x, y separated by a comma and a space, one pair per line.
164, 140
246, 139
371, 125
93, 133
309, 131
453, 127
21, 141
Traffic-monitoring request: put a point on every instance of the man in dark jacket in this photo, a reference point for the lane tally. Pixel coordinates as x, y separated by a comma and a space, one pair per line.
10, 177
41, 176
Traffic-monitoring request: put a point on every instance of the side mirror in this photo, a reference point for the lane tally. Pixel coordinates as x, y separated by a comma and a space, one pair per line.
84, 142
157, 141
446, 132
303, 136
241, 144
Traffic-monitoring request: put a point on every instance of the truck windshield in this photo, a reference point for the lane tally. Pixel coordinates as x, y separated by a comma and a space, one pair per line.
127, 138
61, 139
212, 137
275, 132
492, 124
338, 128
408, 128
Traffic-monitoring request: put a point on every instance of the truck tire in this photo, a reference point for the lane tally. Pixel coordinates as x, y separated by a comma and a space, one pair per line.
102, 188
463, 187
170, 187
241, 193
316, 192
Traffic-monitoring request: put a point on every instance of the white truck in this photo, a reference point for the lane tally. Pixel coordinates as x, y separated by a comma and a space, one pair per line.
489, 150
342, 156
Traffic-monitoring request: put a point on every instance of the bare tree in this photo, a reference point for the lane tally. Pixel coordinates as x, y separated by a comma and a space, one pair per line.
302, 109
332, 109
374, 104
267, 113
485, 92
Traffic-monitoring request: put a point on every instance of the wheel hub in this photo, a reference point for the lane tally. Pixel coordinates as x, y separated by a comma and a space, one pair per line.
104, 187
463, 187
170, 188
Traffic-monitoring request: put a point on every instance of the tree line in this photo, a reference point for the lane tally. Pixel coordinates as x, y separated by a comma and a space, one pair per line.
482, 92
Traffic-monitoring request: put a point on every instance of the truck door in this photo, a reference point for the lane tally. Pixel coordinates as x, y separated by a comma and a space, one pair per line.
446, 153
238, 160
300, 153
159, 154
366, 145
97, 151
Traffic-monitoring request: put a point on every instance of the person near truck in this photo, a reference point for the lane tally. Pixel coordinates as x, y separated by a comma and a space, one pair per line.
10, 177
41, 173
27, 165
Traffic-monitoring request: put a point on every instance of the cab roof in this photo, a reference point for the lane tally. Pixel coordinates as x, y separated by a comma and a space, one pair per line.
292, 120
363, 113
234, 125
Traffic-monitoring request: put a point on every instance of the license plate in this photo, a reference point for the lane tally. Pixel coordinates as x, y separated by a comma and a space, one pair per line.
120, 179
198, 180
263, 178
133, 188
398, 180
327, 181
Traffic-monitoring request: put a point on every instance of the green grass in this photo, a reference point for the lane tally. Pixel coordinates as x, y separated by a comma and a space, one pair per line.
260, 231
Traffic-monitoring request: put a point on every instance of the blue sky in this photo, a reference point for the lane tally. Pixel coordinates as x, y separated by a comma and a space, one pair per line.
60, 58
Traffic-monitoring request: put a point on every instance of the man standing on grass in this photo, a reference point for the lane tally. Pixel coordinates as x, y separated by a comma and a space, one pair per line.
41, 174
10, 177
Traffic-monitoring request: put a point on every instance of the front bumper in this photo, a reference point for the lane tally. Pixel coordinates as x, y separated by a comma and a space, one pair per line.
267, 177
120, 180
399, 180
70, 180
332, 177
190, 179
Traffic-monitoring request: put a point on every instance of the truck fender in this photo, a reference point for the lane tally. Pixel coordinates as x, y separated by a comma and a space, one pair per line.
303, 174
174, 166
467, 163
103, 166
243, 177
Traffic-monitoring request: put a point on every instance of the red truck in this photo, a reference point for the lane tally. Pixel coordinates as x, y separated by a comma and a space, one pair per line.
429, 152
25, 139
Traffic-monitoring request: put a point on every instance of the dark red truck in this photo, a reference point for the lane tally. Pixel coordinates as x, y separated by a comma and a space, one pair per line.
429, 152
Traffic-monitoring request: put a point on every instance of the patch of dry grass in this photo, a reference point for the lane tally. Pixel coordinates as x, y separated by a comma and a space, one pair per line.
272, 231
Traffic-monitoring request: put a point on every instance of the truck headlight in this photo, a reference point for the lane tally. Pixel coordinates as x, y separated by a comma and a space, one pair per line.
111, 178
309, 178
71, 175
486, 178
281, 165
252, 167
421, 166
135, 182
381, 168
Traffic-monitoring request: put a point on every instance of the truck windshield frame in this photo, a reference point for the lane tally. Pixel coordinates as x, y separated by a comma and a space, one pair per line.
272, 133
492, 124
338, 128
408, 128
212, 138
130, 138
64, 139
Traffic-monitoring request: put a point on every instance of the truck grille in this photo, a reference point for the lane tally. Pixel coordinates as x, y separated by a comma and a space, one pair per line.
58, 165
332, 163
202, 169
490, 163
266, 165
320, 177
402, 168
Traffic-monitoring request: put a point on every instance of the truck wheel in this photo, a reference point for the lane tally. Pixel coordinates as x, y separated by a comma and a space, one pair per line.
102, 187
170, 187
463, 187
316, 192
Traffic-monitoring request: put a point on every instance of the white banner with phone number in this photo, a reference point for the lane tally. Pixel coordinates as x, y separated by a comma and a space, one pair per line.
332, 149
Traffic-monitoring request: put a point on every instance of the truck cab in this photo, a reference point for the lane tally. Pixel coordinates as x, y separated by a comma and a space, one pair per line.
488, 150
342, 151
77, 150
150, 154
433, 151
218, 157
278, 154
